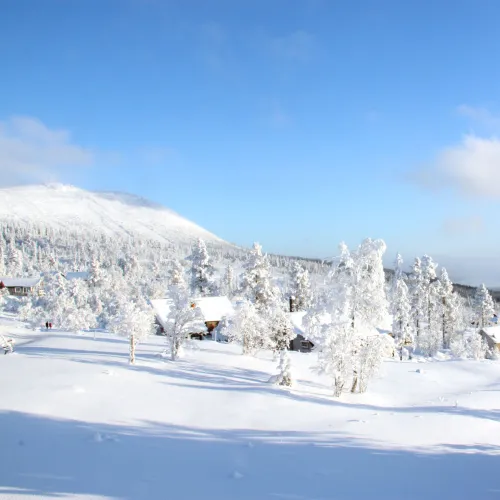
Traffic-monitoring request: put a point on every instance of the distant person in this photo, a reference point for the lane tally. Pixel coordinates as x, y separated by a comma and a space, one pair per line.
50, 326
47, 325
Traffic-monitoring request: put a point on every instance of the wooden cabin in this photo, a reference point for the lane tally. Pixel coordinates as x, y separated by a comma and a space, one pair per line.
20, 287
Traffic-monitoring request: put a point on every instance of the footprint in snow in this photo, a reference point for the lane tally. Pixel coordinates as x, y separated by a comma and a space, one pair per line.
108, 372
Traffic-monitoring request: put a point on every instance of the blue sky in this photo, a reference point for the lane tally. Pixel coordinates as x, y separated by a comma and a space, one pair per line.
295, 123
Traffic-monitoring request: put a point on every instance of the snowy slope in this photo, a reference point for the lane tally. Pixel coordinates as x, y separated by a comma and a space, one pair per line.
68, 207
78, 422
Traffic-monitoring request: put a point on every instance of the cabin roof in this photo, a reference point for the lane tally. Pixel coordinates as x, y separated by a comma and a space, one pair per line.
493, 332
212, 308
21, 282
77, 275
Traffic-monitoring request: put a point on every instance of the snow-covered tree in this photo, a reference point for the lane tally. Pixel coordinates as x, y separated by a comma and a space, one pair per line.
400, 307
2, 260
182, 320
280, 329
418, 296
135, 322
300, 288
96, 273
227, 285
367, 359
335, 348
284, 376
484, 308
176, 274
14, 261
449, 308
201, 270
256, 279
249, 329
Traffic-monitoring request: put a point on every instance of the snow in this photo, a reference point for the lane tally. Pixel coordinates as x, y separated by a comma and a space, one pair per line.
70, 208
212, 308
77, 275
493, 332
20, 282
79, 423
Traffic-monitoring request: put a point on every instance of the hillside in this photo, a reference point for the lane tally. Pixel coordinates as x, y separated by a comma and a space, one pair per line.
80, 423
114, 214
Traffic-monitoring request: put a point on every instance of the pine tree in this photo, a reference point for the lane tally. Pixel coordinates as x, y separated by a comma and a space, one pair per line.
2, 259
417, 296
248, 329
300, 288
450, 313
14, 261
227, 287
284, 376
96, 273
256, 279
176, 274
280, 329
484, 307
201, 270
402, 327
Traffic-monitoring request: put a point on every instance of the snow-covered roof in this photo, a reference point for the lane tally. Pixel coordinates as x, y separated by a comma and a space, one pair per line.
212, 308
21, 282
297, 319
493, 332
80, 275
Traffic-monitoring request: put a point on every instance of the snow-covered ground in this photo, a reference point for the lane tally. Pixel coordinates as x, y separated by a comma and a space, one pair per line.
79, 422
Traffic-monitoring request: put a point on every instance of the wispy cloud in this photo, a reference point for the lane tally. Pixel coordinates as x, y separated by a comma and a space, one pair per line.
30, 151
298, 46
459, 226
481, 116
471, 167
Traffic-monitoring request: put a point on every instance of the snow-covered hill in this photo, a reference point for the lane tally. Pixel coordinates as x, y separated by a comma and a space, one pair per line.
79, 423
67, 207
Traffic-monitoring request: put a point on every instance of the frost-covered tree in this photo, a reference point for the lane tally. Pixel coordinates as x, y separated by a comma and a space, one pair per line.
201, 270
400, 307
284, 376
176, 274
249, 329
335, 347
96, 273
227, 284
300, 288
14, 261
362, 279
256, 279
367, 360
2, 260
280, 329
135, 322
483, 305
449, 308
182, 320
418, 296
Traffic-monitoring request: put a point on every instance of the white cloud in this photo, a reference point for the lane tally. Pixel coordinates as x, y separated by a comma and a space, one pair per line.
297, 46
462, 225
471, 167
32, 152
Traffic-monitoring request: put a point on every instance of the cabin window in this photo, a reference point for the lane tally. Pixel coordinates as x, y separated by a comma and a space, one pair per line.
304, 344
18, 289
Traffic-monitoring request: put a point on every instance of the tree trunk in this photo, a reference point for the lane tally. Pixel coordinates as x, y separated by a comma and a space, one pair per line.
354, 381
132, 350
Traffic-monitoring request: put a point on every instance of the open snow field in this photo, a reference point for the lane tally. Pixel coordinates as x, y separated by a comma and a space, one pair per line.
78, 422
